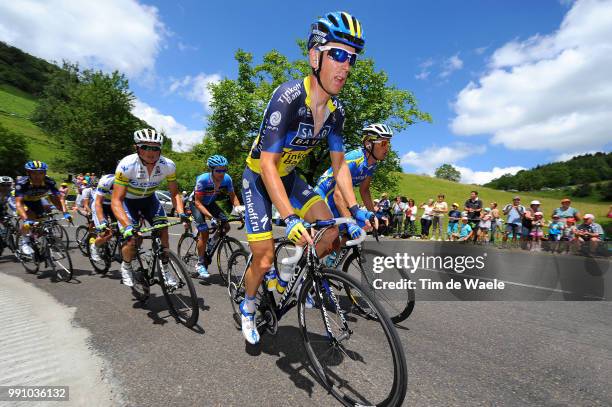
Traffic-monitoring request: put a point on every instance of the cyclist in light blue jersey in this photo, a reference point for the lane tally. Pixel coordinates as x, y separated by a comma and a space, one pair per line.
208, 186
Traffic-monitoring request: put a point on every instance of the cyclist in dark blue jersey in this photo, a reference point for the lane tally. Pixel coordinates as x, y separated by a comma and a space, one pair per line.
300, 114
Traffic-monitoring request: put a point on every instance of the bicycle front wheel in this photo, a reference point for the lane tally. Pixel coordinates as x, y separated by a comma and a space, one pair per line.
181, 298
82, 238
187, 250
398, 304
103, 265
227, 246
236, 267
359, 359
60, 258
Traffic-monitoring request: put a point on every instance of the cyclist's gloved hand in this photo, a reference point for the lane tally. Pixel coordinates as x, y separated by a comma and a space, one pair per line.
128, 231
295, 228
102, 226
360, 215
67, 216
354, 231
184, 218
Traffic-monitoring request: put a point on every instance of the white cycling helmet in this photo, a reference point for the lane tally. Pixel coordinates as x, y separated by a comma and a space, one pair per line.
377, 130
147, 136
4, 180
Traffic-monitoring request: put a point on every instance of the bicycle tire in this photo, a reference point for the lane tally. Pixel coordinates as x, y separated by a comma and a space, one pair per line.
398, 304
226, 248
236, 267
103, 266
386, 380
141, 289
31, 264
59, 256
187, 250
81, 236
176, 266
60, 231
283, 250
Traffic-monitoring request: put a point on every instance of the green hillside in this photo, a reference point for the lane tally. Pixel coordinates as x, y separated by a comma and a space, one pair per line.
16, 108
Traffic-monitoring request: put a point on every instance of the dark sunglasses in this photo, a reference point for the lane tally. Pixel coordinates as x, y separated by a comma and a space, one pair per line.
146, 147
339, 55
220, 170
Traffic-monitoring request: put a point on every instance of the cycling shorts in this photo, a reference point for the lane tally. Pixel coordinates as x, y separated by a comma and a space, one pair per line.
198, 216
150, 208
258, 215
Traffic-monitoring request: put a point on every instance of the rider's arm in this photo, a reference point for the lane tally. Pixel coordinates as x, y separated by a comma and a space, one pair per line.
200, 206
234, 199
86, 206
274, 186
340, 204
20, 208
366, 196
343, 178
177, 202
99, 213
119, 192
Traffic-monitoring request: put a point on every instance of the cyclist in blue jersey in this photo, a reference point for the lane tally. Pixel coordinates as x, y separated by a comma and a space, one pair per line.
208, 186
29, 193
300, 114
362, 164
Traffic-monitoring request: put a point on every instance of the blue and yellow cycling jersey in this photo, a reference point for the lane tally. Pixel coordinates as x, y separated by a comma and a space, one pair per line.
288, 127
34, 193
358, 165
133, 174
205, 190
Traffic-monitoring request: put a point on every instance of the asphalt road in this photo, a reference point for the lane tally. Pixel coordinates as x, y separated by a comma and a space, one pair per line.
458, 353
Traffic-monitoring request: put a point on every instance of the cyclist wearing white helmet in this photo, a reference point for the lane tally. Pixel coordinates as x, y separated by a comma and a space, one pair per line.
362, 164
136, 178
208, 186
300, 114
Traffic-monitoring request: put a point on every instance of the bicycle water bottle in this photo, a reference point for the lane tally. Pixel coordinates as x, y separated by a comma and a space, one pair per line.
270, 279
285, 275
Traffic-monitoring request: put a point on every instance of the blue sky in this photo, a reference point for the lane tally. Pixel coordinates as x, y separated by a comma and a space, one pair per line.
497, 77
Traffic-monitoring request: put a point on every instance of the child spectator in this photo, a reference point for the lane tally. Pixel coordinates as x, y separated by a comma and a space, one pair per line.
569, 231
453, 221
555, 229
465, 232
484, 225
537, 231
496, 221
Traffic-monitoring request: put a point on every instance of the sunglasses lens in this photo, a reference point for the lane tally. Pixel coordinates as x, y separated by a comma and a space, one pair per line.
150, 148
340, 55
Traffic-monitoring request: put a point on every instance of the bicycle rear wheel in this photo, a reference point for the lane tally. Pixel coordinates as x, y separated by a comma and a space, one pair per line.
359, 359
182, 299
31, 263
141, 289
102, 266
60, 258
227, 246
398, 304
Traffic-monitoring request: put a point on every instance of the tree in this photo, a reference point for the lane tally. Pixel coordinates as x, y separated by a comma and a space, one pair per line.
238, 106
583, 190
447, 171
13, 153
90, 113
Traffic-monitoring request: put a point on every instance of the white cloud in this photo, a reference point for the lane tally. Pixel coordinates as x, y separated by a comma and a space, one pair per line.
480, 50
425, 69
451, 65
569, 156
178, 132
109, 34
549, 92
196, 88
428, 160
469, 176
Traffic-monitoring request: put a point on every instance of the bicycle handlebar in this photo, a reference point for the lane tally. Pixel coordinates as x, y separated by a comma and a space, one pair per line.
160, 226
299, 250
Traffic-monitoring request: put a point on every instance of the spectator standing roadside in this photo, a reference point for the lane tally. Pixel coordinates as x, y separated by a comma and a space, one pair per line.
484, 225
473, 207
439, 209
565, 211
426, 218
496, 221
514, 212
528, 218
410, 222
385, 205
397, 210
453, 221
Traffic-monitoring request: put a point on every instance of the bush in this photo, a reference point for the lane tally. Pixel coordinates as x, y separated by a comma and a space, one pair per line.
13, 152
583, 190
